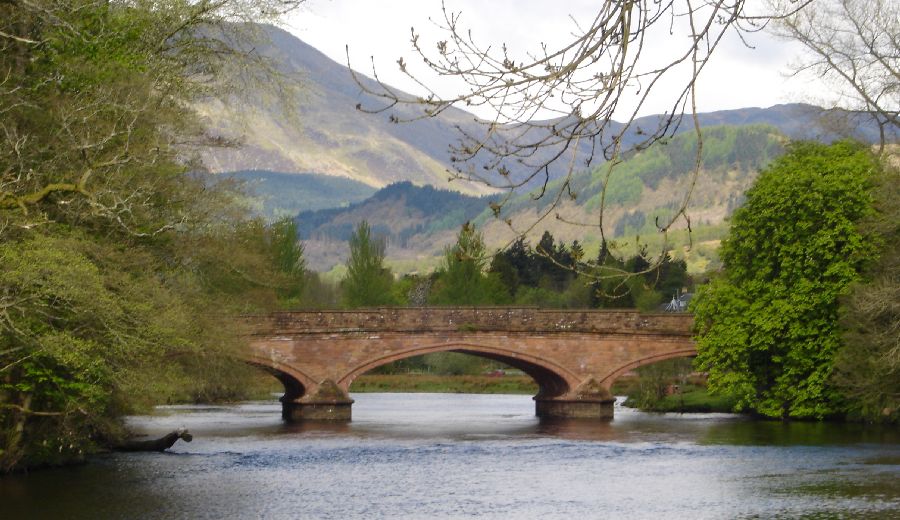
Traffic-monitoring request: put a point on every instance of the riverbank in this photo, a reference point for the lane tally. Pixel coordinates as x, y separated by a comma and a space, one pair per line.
430, 383
691, 400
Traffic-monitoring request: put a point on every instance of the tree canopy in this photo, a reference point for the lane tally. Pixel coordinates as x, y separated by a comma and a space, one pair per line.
767, 328
120, 261
867, 368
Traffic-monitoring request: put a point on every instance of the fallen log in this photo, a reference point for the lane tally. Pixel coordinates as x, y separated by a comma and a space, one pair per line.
163, 443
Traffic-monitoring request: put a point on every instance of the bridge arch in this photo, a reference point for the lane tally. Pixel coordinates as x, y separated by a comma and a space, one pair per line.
553, 380
608, 381
294, 381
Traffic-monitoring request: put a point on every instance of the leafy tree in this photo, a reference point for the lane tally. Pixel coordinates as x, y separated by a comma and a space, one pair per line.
867, 369
368, 282
96, 93
767, 328
118, 264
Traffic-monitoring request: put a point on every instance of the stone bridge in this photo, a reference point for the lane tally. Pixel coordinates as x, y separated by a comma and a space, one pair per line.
573, 355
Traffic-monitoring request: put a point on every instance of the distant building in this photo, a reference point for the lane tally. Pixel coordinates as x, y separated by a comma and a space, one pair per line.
678, 303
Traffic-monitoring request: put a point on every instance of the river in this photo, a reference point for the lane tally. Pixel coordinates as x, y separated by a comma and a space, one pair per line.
487, 456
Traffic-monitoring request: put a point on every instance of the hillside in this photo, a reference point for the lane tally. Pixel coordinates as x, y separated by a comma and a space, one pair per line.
275, 194
650, 185
330, 137
416, 221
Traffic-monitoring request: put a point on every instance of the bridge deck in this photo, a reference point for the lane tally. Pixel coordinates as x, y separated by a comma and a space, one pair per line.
471, 319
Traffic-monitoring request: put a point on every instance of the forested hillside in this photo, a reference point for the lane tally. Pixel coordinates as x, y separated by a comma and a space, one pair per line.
414, 220
645, 187
275, 194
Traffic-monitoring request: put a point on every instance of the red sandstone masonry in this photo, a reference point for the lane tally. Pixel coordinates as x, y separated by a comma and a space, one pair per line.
519, 319
574, 356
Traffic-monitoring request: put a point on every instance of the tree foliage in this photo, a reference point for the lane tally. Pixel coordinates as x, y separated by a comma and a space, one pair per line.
462, 279
867, 369
119, 262
95, 100
767, 328
368, 282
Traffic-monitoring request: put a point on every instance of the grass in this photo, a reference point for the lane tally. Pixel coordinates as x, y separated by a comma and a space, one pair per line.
444, 384
693, 400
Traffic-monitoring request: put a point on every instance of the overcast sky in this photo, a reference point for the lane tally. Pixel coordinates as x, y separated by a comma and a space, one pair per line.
736, 76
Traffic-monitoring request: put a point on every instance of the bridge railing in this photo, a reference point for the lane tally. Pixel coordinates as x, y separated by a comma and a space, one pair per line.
463, 319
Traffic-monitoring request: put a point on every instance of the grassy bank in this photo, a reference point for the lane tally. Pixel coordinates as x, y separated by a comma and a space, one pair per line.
691, 400
444, 384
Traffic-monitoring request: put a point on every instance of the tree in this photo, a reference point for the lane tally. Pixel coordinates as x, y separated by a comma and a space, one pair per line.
287, 254
767, 328
368, 282
96, 100
853, 45
867, 369
557, 109
462, 279
119, 261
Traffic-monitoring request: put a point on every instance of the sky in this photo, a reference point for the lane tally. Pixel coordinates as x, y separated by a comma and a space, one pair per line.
736, 77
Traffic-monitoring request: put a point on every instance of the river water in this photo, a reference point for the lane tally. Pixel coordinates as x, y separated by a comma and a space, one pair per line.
486, 456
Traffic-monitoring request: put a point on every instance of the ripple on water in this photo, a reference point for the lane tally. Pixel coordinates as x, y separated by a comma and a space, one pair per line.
452, 456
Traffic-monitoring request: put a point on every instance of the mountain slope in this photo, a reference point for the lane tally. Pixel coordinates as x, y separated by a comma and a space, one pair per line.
275, 194
649, 186
416, 221
331, 137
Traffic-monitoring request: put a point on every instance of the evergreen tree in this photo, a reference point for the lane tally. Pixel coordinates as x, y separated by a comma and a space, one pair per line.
368, 282
462, 280
286, 252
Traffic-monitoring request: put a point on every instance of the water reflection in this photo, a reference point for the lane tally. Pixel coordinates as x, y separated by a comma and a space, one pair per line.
453, 456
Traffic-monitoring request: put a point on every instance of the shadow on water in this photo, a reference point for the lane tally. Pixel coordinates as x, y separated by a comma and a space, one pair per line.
777, 433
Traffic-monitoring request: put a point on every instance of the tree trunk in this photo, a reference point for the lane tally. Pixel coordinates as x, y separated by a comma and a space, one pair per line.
161, 444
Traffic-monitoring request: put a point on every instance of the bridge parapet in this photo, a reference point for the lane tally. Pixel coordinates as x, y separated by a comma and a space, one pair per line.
471, 319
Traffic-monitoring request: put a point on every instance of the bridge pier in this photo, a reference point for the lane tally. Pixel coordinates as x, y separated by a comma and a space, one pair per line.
590, 400
591, 408
296, 411
326, 402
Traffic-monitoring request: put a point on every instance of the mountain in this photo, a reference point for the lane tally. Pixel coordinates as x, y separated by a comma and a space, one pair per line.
419, 222
275, 194
332, 139
329, 136
416, 221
